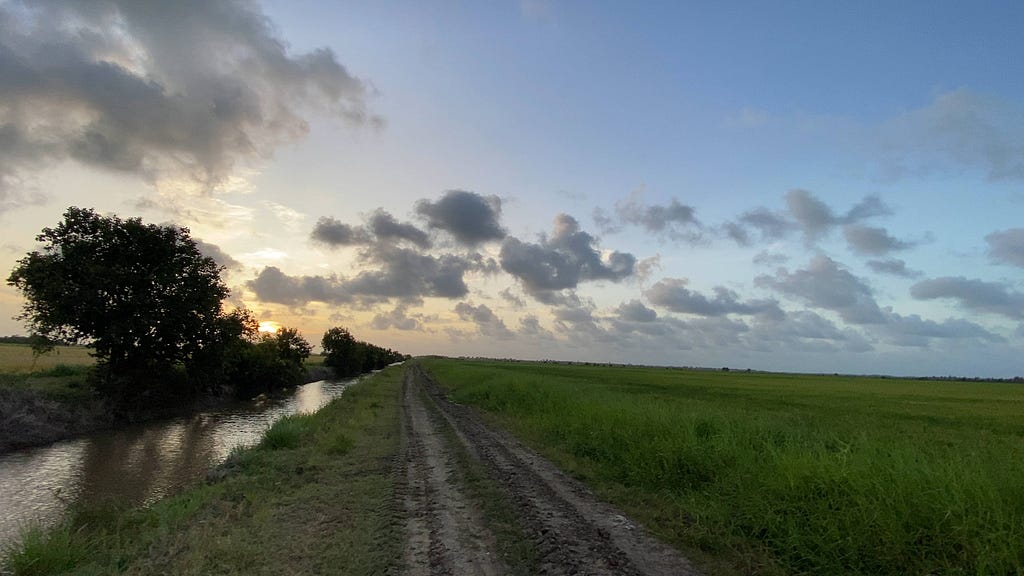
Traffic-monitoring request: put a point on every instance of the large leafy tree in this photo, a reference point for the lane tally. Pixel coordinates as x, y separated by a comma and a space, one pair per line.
141, 294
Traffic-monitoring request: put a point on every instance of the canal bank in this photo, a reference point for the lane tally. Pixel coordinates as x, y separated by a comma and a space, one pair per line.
138, 464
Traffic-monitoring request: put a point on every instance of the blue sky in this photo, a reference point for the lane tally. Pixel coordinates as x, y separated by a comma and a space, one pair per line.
791, 186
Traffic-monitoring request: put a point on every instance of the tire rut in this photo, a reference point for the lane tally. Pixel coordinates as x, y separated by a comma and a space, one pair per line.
573, 531
445, 533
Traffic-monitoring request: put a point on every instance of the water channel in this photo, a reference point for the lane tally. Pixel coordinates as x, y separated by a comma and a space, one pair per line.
139, 464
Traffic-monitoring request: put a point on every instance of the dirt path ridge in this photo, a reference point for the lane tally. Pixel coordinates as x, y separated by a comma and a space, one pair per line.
573, 531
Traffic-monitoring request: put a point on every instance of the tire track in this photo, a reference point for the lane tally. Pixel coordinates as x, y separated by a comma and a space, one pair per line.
573, 531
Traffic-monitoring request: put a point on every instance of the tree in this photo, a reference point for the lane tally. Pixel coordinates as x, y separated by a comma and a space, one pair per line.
349, 356
141, 294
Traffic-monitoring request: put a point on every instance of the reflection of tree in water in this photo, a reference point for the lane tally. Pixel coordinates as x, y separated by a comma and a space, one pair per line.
137, 465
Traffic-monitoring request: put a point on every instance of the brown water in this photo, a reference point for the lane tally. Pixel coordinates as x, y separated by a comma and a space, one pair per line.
140, 464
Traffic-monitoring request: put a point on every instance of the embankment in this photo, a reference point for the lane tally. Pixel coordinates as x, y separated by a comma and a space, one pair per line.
316, 495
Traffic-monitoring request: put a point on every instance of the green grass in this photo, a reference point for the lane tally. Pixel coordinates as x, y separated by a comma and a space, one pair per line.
781, 474
315, 497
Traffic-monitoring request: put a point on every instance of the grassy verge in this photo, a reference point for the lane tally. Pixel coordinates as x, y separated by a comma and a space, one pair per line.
314, 497
783, 474
46, 398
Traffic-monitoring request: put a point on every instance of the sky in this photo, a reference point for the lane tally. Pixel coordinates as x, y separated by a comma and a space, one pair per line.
789, 186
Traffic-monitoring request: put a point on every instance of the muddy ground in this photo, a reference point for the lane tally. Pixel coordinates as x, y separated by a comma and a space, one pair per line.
571, 531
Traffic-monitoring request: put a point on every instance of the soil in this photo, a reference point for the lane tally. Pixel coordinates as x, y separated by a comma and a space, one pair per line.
573, 532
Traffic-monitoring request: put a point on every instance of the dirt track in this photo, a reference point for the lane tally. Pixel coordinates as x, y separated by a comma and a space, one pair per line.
573, 532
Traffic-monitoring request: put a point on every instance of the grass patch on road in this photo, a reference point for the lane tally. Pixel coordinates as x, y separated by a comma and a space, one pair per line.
781, 474
317, 499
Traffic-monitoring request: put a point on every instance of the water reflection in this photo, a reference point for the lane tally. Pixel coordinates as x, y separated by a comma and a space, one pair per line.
141, 464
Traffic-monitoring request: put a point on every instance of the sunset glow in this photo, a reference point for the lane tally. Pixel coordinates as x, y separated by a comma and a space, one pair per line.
269, 327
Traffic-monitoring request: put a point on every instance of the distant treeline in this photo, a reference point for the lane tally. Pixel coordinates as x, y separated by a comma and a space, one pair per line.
1014, 380
349, 357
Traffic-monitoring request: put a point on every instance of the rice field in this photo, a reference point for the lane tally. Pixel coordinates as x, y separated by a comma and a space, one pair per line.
778, 473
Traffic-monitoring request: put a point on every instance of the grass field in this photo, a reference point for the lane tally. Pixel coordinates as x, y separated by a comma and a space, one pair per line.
18, 358
315, 497
781, 474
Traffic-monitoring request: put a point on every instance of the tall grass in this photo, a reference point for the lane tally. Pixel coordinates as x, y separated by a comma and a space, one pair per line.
783, 474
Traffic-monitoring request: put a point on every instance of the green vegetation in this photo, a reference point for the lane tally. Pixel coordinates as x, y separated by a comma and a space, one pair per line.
315, 497
350, 357
783, 474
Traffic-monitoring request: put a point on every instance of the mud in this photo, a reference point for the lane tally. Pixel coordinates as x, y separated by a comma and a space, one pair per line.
573, 532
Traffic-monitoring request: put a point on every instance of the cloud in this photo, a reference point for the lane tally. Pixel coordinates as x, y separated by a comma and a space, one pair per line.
913, 330
675, 220
219, 256
562, 261
894, 267
635, 311
470, 218
769, 225
384, 226
530, 327
804, 330
135, 87
486, 321
402, 274
397, 318
816, 219
672, 294
958, 129
274, 286
333, 233
872, 241
766, 258
1007, 247
507, 295
824, 284
973, 294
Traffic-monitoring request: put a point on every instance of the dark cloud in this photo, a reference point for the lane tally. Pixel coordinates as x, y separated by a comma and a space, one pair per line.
219, 256
635, 311
892, 266
381, 228
872, 241
672, 294
397, 318
487, 322
824, 284
333, 233
674, 220
816, 219
507, 295
1007, 247
402, 274
384, 226
274, 286
768, 224
973, 294
158, 89
469, 217
562, 261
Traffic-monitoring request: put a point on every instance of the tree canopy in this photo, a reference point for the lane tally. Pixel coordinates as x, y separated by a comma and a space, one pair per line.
140, 294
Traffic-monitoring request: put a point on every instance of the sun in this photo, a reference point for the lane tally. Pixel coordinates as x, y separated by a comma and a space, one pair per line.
269, 327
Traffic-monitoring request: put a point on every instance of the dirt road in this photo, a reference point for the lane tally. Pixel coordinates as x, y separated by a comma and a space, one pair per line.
571, 530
